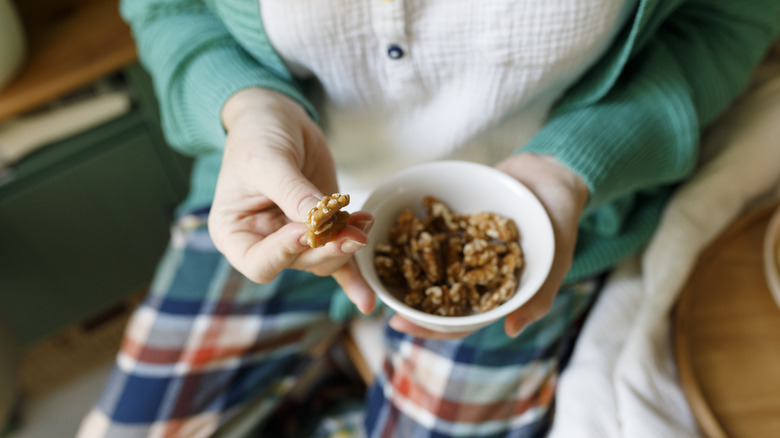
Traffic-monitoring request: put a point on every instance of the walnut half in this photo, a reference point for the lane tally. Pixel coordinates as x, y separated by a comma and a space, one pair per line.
325, 220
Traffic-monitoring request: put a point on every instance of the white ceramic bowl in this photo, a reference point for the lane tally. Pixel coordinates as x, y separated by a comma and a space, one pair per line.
772, 256
467, 188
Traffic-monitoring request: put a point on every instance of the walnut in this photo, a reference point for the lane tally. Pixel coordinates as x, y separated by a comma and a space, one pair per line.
512, 260
434, 299
455, 272
427, 251
436, 209
325, 220
487, 225
454, 250
498, 296
413, 274
481, 275
450, 264
414, 297
444, 301
406, 227
478, 252
481, 260
473, 296
386, 262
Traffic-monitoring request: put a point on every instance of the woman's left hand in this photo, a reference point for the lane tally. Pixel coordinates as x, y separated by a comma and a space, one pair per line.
563, 194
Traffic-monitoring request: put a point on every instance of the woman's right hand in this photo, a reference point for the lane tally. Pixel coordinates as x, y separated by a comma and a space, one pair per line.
276, 166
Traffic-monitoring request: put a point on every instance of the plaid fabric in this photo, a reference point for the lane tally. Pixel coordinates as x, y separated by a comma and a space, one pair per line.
207, 342
487, 385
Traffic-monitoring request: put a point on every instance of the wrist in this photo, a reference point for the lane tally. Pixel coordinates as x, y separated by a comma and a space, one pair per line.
545, 174
567, 177
254, 99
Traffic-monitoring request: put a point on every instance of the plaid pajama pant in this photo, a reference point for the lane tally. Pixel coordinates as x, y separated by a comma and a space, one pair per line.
206, 342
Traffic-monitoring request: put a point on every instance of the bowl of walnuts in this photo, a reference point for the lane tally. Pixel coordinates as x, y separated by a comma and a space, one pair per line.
455, 245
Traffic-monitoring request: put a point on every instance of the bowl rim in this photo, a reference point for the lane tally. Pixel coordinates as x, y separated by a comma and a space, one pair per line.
771, 249
507, 307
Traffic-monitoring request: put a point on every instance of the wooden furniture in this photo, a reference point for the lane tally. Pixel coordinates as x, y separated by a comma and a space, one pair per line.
71, 43
727, 336
83, 221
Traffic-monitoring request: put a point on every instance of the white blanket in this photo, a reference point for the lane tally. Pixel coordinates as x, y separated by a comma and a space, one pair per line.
622, 381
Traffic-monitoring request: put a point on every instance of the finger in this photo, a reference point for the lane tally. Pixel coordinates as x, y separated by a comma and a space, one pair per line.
326, 260
361, 220
541, 303
533, 310
263, 258
356, 288
285, 185
294, 180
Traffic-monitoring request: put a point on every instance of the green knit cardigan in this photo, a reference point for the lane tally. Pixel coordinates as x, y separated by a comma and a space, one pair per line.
630, 126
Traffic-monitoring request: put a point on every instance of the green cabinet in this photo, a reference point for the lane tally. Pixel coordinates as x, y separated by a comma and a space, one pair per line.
84, 221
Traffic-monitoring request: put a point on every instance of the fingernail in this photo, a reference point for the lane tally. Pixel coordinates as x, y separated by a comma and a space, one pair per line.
516, 331
365, 226
350, 246
394, 324
304, 240
366, 307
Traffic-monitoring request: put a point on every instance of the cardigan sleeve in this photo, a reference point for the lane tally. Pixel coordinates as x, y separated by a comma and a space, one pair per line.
644, 132
196, 65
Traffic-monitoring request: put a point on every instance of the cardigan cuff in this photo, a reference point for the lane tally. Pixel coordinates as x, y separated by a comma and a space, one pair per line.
638, 137
204, 87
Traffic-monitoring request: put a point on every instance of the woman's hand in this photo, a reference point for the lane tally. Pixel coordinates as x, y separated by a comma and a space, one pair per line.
276, 166
563, 194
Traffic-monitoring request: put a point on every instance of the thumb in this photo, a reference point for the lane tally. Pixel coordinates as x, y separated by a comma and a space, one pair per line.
289, 189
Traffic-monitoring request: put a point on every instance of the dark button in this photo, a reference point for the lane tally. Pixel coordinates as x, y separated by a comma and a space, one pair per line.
395, 52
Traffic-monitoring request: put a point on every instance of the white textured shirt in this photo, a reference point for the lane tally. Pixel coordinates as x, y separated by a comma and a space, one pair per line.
408, 81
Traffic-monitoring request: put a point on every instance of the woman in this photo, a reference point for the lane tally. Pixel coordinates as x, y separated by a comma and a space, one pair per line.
595, 106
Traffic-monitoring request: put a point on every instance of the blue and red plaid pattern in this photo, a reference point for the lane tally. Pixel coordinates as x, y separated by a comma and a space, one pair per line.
486, 385
206, 342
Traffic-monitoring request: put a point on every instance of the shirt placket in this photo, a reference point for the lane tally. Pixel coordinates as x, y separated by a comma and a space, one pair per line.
401, 80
